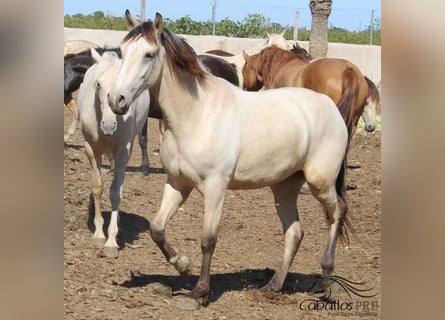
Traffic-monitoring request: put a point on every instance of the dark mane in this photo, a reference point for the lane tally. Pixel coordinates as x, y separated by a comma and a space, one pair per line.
272, 58
301, 53
373, 92
181, 57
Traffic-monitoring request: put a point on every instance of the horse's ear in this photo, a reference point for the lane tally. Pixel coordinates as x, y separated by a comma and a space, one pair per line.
282, 33
96, 56
245, 55
131, 22
159, 22
268, 34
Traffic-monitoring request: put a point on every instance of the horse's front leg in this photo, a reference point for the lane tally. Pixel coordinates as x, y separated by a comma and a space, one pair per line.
214, 196
142, 137
96, 194
121, 158
172, 198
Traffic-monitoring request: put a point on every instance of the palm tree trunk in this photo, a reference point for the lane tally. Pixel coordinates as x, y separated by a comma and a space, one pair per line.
318, 38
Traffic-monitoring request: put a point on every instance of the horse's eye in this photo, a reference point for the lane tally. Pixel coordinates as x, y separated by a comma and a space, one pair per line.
97, 85
149, 55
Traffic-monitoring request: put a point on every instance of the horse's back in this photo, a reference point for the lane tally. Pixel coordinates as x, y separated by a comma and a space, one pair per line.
287, 74
327, 75
76, 46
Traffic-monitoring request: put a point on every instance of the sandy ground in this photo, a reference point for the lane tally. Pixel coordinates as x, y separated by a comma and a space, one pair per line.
139, 283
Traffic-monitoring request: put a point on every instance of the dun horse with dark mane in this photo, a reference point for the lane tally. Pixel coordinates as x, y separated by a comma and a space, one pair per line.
220, 137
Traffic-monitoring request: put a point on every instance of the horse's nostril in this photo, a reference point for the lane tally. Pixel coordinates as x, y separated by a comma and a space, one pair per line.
121, 100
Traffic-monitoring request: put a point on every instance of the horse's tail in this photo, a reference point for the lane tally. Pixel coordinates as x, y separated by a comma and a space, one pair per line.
351, 86
340, 188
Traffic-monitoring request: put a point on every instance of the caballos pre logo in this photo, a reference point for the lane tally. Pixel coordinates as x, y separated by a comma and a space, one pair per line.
315, 304
357, 307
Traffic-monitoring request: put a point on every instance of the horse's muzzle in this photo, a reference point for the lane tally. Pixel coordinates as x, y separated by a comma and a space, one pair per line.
108, 127
369, 128
118, 105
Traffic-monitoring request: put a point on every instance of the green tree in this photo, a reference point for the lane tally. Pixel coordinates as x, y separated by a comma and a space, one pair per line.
227, 27
254, 25
98, 15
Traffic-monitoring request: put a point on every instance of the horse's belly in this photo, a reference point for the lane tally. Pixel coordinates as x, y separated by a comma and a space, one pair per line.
262, 170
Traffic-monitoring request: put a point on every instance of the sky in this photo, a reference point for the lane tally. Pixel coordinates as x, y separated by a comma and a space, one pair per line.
348, 14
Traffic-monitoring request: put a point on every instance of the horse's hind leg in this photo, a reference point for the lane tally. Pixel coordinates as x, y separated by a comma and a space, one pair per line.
142, 136
96, 195
285, 197
172, 198
73, 108
324, 191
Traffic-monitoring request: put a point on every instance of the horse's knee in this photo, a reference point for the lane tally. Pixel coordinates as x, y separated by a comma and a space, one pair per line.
295, 233
97, 189
208, 243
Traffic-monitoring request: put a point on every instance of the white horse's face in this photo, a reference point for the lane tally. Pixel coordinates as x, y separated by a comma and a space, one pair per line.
141, 68
278, 40
369, 115
106, 74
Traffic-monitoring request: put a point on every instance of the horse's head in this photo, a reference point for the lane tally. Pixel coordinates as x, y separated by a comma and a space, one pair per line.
277, 40
301, 53
369, 114
142, 61
252, 78
105, 74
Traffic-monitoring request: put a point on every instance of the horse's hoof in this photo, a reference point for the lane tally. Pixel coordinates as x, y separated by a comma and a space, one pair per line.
187, 303
184, 266
111, 252
268, 288
145, 170
98, 242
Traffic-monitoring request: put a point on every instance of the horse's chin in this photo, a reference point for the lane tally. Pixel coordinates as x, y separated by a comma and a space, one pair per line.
120, 110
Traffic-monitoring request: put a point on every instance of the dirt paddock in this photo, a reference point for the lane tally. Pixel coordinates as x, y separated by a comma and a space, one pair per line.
139, 283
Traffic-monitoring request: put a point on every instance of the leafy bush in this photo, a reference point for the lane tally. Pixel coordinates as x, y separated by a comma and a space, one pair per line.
252, 26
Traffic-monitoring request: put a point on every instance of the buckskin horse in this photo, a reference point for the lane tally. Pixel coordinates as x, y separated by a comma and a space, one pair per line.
220, 137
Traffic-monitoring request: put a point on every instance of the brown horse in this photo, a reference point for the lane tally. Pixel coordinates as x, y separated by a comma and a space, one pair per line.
340, 79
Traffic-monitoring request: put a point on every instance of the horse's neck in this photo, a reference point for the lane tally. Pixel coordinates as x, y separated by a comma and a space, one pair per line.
177, 104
